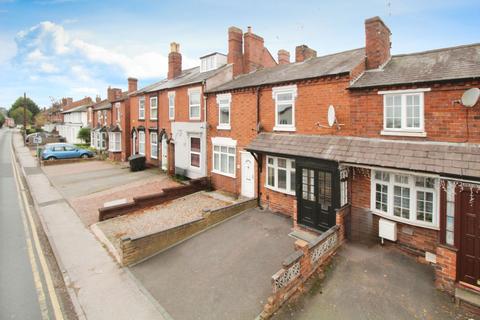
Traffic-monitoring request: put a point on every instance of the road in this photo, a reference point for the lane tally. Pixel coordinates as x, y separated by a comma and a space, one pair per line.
18, 293
31, 284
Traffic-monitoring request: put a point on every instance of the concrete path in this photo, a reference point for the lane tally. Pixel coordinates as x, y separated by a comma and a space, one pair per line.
103, 290
223, 273
373, 283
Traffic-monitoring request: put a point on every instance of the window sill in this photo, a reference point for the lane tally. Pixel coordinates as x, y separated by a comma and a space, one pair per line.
196, 119
224, 174
280, 190
223, 127
404, 221
289, 129
155, 119
404, 133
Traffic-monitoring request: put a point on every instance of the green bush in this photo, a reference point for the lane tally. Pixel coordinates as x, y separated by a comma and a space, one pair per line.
84, 135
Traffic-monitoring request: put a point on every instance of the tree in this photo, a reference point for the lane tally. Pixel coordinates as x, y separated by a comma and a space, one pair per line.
17, 115
32, 106
40, 120
2, 119
84, 135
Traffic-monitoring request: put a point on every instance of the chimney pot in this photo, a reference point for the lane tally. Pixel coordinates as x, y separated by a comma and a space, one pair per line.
249, 29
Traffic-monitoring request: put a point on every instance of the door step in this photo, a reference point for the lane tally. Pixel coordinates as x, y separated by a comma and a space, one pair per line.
468, 295
303, 235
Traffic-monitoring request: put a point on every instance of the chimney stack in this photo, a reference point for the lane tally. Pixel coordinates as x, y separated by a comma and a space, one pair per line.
132, 84
113, 94
377, 46
235, 50
98, 99
303, 53
174, 61
283, 57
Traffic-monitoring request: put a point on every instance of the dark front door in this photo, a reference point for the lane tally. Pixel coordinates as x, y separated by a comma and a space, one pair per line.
469, 269
315, 201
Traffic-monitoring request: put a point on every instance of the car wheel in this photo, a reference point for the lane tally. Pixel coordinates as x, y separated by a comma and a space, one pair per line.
51, 158
84, 156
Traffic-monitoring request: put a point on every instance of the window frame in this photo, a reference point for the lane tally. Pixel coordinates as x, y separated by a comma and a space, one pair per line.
114, 141
152, 109
226, 143
140, 134
220, 97
413, 188
192, 91
153, 144
117, 109
289, 168
404, 130
283, 90
141, 108
190, 137
171, 107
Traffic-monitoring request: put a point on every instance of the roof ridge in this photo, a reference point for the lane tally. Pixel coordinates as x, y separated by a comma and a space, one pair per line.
437, 50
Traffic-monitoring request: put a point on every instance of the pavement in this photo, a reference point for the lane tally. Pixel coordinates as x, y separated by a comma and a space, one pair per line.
100, 289
18, 293
222, 273
88, 185
373, 282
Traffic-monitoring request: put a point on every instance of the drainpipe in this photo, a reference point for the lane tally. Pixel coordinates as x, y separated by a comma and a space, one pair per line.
258, 158
206, 125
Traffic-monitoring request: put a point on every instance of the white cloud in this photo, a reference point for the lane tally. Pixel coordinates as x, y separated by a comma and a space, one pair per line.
48, 67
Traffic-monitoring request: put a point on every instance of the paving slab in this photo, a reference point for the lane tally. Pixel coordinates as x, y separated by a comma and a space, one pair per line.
222, 273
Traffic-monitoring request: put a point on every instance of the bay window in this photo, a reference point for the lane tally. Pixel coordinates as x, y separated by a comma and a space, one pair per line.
281, 174
284, 107
406, 198
114, 141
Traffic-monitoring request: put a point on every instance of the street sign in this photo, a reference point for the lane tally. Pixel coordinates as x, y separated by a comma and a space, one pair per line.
37, 139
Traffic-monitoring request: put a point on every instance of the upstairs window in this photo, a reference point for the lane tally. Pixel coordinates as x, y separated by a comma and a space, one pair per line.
403, 112
171, 105
153, 108
224, 102
194, 103
141, 108
284, 107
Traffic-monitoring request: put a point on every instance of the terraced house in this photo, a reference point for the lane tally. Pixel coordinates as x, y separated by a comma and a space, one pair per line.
74, 117
169, 118
377, 142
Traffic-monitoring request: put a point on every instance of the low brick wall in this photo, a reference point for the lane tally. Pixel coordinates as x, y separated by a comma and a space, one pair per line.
137, 249
154, 199
309, 258
65, 161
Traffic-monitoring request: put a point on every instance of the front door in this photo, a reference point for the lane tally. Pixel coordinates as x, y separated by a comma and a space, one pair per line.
469, 269
248, 175
315, 200
134, 143
164, 154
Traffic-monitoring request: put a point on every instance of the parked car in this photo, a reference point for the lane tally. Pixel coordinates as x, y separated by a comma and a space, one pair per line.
54, 151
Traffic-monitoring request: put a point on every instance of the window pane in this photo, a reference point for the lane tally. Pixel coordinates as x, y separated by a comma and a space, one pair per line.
285, 113
271, 177
270, 160
223, 162
194, 98
292, 180
401, 202
285, 96
282, 163
282, 179
231, 150
231, 164
195, 144
216, 148
216, 161
224, 115
195, 160
381, 197
194, 111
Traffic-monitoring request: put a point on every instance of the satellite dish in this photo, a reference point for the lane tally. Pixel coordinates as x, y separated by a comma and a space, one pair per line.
470, 97
331, 116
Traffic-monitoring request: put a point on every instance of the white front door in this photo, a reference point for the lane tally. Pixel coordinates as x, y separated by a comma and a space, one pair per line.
248, 174
134, 143
164, 154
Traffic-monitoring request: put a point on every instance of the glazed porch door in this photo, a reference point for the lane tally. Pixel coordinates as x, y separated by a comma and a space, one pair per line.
315, 207
469, 263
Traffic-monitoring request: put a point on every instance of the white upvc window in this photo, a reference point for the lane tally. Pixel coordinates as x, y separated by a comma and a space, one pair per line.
153, 145
102, 144
104, 117
406, 198
141, 108
195, 152
280, 175
224, 156
403, 112
224, 102
141, 142
114, 141
171, 105
194, 103
153, 108
117, 109
284, 107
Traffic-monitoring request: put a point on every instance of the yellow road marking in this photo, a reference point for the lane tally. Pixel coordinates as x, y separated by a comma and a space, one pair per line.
48, 278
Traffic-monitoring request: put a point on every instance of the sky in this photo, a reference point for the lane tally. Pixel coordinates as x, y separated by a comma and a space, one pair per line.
75, 48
